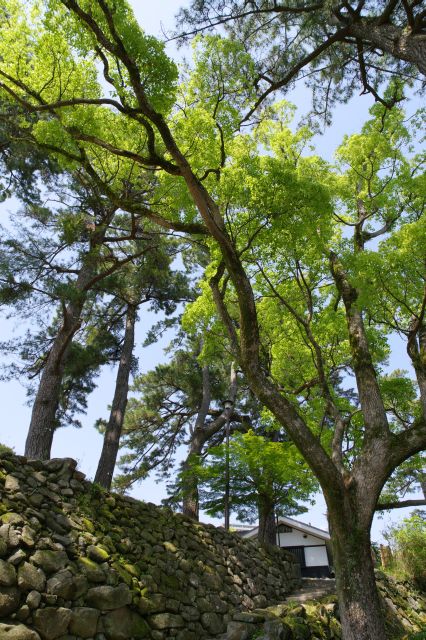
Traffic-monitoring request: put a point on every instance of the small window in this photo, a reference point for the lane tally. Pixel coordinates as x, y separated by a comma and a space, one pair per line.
283, 528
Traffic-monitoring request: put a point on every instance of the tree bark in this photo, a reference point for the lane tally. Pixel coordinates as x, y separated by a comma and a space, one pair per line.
400, 43
43, 417
190, 500
359, 605
190, 507
114, 428
416, 349
267, 534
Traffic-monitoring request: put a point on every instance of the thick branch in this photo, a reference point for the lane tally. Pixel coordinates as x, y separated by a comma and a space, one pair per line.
401, 504
375, 420
407, 443
401, 43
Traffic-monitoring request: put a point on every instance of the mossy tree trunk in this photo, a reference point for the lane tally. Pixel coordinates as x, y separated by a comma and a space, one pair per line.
360, 610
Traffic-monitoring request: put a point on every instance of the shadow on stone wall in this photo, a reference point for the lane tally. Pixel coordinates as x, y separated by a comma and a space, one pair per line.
79, 563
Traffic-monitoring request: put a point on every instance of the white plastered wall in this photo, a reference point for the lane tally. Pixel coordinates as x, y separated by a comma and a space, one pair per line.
299, 539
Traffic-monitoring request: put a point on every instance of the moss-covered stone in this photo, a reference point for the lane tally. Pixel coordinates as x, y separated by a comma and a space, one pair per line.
90, 569
31, 578
12, 518
50, 561
97, 553
7, 574
84, 622
166, 621
106, 598
123, 624
52, 622
9, 600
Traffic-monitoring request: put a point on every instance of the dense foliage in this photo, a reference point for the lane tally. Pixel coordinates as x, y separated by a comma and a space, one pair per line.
310, 269
408, 542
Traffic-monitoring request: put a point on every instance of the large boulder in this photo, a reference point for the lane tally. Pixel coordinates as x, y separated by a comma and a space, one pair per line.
50, 561
84, 622
31, 578
52, 622
107, 598
123, 624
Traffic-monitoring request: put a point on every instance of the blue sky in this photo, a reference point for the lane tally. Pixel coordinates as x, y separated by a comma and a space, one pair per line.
85, 445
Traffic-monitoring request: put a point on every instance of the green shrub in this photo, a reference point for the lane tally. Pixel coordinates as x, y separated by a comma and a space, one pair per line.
409, 547
5, 450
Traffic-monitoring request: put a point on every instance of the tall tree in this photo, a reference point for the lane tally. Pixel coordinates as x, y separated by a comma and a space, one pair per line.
180, 403
59, 259
147, 280
338, 48
142, 129
111, 442
267, 478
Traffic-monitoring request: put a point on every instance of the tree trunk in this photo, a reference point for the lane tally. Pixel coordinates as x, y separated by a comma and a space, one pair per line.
201, 434
267, 534
43, 417
114, 428
199, 437
359, 605
190, 498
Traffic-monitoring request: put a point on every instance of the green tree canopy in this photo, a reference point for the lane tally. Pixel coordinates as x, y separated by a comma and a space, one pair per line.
338, 49
260, 471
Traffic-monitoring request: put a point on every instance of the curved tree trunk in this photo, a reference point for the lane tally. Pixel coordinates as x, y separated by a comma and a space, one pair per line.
114, 428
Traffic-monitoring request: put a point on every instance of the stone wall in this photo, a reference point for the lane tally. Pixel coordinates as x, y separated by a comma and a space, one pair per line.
318, 619
80, 563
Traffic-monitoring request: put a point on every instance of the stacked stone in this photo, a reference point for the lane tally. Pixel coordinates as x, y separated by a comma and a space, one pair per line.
79, 563
318, 619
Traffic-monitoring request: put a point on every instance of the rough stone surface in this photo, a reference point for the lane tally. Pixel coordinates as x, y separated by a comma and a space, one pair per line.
7, 574
9, 600
30, 578
33, 599
50, 561
213, 623
52, 622
122, 624
84, 621
78, 563
318, 618
63, 585
107, 598
166, 621
17, 632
